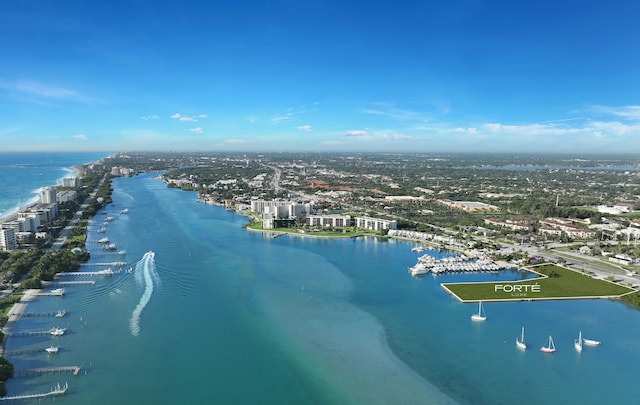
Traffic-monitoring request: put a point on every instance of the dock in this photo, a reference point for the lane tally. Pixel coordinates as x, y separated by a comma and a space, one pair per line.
105, 272
29, 372
57, 390
25, 351
57, 314
34, 333
85, 282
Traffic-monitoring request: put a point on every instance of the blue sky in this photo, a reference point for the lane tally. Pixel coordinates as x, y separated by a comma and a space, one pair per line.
426, 76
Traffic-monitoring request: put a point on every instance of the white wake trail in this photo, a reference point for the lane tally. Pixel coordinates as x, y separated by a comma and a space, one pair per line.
145, 271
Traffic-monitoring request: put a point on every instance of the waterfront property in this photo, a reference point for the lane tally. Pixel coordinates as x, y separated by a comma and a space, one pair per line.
555, 282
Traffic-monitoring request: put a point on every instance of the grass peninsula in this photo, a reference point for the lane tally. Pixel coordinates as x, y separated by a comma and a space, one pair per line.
554, 282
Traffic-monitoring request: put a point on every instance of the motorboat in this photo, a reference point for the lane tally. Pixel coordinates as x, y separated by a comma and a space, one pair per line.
591, 342
52, 349
57, 331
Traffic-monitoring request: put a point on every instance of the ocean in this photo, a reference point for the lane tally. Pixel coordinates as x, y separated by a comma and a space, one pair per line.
220, 314
24, 174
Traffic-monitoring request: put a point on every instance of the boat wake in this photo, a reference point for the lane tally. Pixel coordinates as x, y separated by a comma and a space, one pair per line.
145, 273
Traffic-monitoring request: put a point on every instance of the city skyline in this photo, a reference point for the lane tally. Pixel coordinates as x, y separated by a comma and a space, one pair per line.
257, 76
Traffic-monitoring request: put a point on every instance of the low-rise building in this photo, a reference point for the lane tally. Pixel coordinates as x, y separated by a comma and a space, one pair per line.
375, 224
334, 220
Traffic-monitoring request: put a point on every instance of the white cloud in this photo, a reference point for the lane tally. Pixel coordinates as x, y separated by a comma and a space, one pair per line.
629, 112
356, 133
388, 110
402, 137
42, 91
283, 117
197, 130
149, 117
305, 128
251, 119
186, 118
80, 137
290, 114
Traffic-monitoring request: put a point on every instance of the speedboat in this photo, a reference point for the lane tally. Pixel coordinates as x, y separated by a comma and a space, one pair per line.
57, 331
52, 349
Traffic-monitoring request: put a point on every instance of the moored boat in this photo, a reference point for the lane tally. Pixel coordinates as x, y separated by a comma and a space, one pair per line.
591, 342
57, 331
550, 347
52, 349
520, 341
578, 342
480, 316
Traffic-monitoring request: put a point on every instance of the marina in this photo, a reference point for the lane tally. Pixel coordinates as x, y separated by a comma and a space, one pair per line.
454, 264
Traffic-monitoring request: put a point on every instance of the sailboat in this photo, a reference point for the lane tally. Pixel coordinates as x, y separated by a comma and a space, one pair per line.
480, 316
578, 342
591, 342
549, 348
520, 342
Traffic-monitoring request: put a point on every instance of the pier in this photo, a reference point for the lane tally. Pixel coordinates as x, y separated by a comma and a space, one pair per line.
52, 332
86, 282
25, 351
29, 372
57, 314
57, 390
105, 272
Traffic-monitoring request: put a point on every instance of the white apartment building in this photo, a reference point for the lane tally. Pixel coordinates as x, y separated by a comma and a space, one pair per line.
375, 224
48, 195
71, 182
67, 195
334, 220
8, 239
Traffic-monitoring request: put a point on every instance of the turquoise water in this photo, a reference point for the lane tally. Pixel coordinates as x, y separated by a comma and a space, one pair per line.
22, 175
238, 317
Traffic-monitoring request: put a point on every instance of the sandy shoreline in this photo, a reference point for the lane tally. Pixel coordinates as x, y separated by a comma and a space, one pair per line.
14, 314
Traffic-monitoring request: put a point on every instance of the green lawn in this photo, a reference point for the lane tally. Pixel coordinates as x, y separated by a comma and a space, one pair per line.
559, 283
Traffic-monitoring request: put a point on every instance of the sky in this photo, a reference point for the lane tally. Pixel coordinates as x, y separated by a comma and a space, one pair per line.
430, 76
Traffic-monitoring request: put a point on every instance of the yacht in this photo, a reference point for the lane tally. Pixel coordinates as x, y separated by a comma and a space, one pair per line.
52, 349
57, 331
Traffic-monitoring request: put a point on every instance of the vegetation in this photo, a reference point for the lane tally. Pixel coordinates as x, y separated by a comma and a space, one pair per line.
558, 283
6, 372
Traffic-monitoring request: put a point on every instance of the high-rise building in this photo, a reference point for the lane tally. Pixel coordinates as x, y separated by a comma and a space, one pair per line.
8, 239
48, 195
